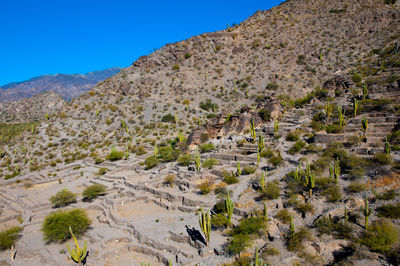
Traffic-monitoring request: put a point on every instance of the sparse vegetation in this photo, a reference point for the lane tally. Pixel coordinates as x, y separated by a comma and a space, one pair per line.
93, 191
63, 198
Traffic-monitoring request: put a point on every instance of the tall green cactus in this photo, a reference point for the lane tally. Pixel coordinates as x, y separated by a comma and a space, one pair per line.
77, 254
176, 119
296, 174
263, 182
229, 208
155, 151
328, 110
253, 130
197, 160
355, 106
366, 210
261, 144
364, 91
257, 261
341, 114
364, 125
205, 224
337, 170
265, 212
181, 137
387, 147
346, 216
331, 170
311, 183
258, 158
239, 171
276, 126
291, 226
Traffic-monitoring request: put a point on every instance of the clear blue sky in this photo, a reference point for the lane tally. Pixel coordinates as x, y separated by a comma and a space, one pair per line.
40, 37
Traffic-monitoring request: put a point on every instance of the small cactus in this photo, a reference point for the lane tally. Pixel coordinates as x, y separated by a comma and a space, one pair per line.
253, 130
341, 114
311, 183
197, 160
387, 147
239, 171
229, 208
346, 217
355, 106
205, 224
77, 254
291, 226
276, 126
155, 152
328, 110
364, 125
337, 170
258, 158
257, 261
263, 182
366, 210
261, 144
364, 91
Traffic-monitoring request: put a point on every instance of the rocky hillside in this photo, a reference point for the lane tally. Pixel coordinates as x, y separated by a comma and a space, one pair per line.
35, 108
68, 86
293, 115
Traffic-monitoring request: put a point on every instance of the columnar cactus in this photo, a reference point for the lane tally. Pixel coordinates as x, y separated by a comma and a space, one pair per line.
331, 170
291, 226
239, 171
355, 106
205, 224
366, 210
276, 126
337, 170
263, 182
265, 211
155, 152
346, 218
296, 174
387, 147
258, 158
311, 183
364, 91
176, 119
257, 261
341, 114
181, 137
77, 254
197, 160
261, 144
253, 130
229, 208
364, 125
328, 110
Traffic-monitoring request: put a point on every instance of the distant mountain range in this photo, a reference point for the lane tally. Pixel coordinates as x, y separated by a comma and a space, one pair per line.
66, 85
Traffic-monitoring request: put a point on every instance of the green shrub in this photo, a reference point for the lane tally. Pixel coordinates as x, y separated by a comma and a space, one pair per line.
168, 118
303, 101
296, 242
333, 194
266, 153
389, 211
293, 135
248, 170
330, 226
382, 158
63, 198
356, 187
249, 226
272, 190
56, 225
297, 147
169, 180
151, 162
387, 195
209, 163
219, 220
380, 237
334, 128
230, 178
102, 171
185, 159
93, 191
238, 243
176, 67
207, 147
206, 187
283, 215
271, 251
305, 207
265, 114
276, 160
167, 154
115, 155
9, 237
208, 104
